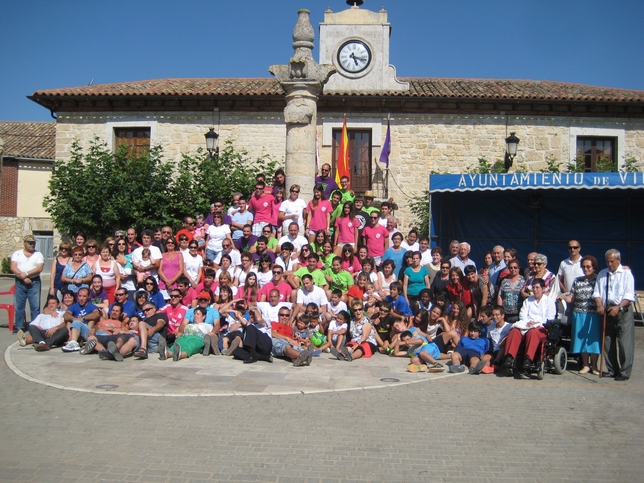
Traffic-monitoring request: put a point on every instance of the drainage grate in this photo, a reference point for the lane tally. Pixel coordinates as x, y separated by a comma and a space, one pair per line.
390, 379
107, 386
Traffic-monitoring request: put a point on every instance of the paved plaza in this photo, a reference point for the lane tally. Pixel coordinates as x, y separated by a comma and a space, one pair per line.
215, 419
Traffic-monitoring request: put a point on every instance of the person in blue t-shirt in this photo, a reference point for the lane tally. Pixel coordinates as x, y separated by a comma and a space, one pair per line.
129, 308
400, 307
470, 350
80, 319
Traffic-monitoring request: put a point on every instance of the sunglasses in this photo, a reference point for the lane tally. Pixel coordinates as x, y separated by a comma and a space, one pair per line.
175, 296
573, 248
277, 272
538, 263
284, 315
88, 246
147, 309
120, 294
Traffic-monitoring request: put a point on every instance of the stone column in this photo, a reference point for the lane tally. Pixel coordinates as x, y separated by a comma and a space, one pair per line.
303, 80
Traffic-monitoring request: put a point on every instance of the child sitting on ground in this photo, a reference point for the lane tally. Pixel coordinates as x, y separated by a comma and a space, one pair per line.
334, 307
145, 262
336, 333
470, 351
424, 354
497, 333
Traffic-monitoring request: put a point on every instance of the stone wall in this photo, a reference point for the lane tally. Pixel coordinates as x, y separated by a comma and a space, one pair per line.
421, 143
14, 229
179, 132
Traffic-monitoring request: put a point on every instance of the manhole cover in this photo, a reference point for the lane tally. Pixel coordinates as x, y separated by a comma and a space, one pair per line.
390, 379
107, 386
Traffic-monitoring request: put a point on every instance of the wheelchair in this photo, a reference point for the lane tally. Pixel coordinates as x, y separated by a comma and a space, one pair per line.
551, 355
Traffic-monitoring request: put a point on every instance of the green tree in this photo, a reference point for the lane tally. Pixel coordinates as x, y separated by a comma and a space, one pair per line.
100, 191
201, 179
419, 206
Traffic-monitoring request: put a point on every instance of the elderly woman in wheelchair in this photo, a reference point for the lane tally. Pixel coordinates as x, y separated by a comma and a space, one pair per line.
531, 328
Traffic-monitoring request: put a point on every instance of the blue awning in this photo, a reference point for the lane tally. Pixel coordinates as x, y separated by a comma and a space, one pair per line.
441, 183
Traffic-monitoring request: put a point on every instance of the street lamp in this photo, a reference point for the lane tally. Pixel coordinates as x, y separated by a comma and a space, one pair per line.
211, 142
511, 144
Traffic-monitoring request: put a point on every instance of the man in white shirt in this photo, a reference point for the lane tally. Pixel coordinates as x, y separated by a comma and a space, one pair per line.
535, 312
385, 213
155, 255
498, 264
425, 252
231, 251
461, 260
310, 293
570, 268
26, 265
391, 225
293, 237
614, 295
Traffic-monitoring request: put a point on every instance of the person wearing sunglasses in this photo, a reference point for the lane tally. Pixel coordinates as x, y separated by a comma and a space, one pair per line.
570, 268
26, 265
540, 272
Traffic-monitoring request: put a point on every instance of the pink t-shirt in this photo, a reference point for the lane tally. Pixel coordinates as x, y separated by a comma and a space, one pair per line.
262, 207
175, 316
354, 268
319, 215
284, 289
346, 229
375, 238
275, 213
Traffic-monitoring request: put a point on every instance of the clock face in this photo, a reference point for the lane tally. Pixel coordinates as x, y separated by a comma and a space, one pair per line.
354, 56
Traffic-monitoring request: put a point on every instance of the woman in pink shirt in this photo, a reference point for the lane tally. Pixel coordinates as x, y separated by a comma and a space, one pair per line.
318, 214
346, 229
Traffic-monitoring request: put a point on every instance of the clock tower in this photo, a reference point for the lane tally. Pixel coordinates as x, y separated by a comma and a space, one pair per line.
356, 42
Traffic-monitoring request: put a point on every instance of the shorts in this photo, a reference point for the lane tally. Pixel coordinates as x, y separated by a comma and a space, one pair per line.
82, 328
279, 346
367, 348
431, 349
230, 336
467, 354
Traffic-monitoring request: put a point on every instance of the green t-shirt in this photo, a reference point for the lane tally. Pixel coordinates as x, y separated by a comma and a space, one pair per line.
327, 262
370, 209
318, 276
341, 281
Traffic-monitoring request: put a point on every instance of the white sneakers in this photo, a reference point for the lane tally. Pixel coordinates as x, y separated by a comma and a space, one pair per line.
71, 346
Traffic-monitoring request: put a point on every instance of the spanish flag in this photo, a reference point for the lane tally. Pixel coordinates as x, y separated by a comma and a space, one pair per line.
342, 168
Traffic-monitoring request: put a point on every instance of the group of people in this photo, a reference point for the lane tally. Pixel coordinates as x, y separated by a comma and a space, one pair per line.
274, 276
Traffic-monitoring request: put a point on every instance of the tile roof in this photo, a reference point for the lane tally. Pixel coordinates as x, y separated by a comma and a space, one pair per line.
35, 140
474, 89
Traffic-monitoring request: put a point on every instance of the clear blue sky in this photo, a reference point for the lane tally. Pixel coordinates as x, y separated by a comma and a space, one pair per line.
49, 44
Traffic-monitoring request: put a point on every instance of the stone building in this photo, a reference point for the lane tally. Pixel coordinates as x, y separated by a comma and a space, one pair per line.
26, 163
437, 125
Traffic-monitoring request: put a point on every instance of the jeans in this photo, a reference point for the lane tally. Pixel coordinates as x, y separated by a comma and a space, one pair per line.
212, 254
23, 293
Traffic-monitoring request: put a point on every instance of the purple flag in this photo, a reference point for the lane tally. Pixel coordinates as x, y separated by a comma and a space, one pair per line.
386, 148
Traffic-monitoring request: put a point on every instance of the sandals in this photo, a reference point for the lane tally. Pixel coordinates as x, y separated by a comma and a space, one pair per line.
141, 354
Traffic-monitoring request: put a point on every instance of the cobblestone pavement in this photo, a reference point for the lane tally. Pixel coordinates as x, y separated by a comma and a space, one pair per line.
452, 429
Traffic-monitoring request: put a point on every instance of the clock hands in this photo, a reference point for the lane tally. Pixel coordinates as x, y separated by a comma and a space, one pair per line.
356, 59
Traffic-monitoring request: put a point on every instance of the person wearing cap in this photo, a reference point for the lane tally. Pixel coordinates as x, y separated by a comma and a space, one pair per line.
368, 202
26, 265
